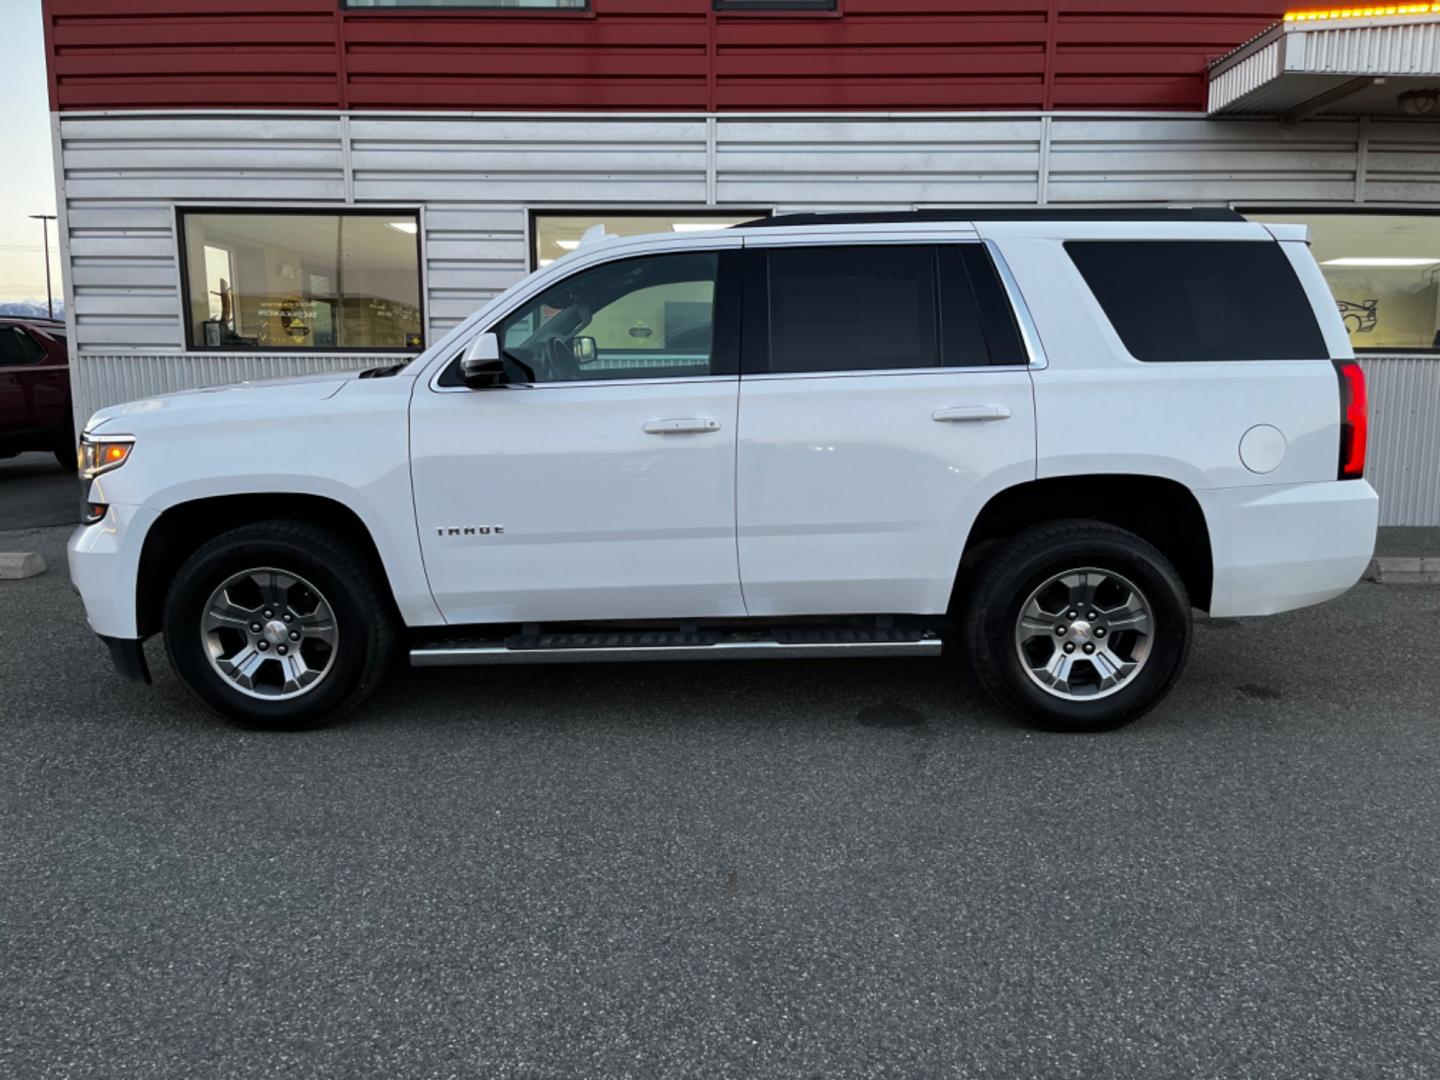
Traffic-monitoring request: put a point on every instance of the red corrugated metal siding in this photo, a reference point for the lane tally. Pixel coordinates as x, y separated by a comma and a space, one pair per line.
643, 54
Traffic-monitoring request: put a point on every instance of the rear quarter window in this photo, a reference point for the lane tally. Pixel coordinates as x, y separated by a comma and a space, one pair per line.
1201, 300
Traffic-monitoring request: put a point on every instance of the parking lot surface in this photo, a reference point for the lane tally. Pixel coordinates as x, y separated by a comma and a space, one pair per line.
792, 870
35, 492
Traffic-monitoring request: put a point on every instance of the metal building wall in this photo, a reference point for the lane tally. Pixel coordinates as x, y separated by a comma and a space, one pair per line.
643, 54
475, 176
1404, 462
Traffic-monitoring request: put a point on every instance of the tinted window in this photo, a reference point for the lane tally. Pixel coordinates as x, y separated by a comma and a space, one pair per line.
17, 347
977, 323
1177, 300
852, 308
642, 318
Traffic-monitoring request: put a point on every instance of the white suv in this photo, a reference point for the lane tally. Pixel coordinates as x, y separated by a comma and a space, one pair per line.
1035, 439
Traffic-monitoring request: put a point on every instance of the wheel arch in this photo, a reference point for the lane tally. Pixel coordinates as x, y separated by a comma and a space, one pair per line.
182, 528
1161, 511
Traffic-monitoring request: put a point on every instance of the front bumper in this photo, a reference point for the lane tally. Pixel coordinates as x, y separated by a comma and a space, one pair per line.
1280, 548
104, 561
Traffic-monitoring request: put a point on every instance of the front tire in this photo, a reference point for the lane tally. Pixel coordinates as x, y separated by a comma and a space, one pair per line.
280, 625
1077, 625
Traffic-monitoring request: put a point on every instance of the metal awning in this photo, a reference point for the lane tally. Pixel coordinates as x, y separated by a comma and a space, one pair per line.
1370, 61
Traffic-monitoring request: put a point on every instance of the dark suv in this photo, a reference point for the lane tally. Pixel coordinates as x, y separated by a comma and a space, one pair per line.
35, 389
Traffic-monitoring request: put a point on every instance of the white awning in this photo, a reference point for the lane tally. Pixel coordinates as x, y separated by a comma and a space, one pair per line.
1371, 61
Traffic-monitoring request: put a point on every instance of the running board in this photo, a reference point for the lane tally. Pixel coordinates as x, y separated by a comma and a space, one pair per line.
618, 648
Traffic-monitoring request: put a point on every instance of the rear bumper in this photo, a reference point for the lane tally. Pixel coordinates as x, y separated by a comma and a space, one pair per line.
1280, 548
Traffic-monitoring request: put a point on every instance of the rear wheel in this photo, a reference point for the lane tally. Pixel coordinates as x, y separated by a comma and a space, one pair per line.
1077, 625
280, 624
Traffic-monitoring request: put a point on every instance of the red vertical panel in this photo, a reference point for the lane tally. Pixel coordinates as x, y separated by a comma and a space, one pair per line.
643, 54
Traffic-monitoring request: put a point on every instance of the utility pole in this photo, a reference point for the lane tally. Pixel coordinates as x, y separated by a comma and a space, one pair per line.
45, 220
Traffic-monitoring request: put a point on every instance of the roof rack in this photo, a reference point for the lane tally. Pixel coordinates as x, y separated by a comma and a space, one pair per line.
1045, 213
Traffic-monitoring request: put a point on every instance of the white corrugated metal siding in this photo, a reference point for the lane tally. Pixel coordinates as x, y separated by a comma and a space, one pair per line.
1247, 75
476, 176
1404, 459
1397, 48
1297, 62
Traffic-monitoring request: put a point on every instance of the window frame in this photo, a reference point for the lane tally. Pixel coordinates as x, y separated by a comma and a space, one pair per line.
184, 210
1351, 210
755, 330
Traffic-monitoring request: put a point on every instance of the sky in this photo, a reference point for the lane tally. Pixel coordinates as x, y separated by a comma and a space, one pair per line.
27, 177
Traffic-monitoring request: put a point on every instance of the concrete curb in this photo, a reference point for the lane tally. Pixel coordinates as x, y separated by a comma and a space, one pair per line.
16, 565
1405, 571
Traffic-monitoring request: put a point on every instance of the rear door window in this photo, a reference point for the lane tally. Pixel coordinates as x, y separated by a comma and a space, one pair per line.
852, 309
1201, 300
977, 322
819, 309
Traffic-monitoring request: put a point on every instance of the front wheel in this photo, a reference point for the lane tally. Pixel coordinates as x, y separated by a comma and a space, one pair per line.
1077, 625
280, 625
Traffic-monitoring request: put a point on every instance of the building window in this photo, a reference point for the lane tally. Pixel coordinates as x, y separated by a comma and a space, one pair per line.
1384, 270
775, 5
556, 234
302, 280
552, 5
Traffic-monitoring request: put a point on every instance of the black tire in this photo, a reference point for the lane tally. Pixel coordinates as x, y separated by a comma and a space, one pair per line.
363, 620
65, 450
1000, 586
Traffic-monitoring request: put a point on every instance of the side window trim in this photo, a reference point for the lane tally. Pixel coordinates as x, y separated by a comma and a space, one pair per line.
1029, 333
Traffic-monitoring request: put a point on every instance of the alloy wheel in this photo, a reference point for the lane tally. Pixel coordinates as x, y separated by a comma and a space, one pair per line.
269, 633
1084, 634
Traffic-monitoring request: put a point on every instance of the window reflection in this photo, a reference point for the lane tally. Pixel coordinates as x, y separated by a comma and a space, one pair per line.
1384, 270
557, 235
297, 281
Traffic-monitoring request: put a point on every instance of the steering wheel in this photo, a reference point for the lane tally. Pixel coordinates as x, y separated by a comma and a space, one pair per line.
559, 361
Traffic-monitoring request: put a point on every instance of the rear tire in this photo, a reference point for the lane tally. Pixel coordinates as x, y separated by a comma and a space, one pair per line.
1077, 625
325, 634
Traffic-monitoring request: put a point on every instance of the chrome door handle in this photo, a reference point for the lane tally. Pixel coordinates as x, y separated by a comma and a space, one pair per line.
690, 425
963, 413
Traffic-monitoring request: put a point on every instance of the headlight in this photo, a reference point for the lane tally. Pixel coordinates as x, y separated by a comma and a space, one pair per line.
100, 454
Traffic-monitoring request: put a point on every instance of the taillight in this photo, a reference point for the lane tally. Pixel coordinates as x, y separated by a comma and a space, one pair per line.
1354, 426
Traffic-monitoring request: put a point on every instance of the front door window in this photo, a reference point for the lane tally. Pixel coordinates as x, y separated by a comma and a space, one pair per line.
642, 318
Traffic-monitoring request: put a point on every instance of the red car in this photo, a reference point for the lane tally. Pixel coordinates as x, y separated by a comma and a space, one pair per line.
35, 389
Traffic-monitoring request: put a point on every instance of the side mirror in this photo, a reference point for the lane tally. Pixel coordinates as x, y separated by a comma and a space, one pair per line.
481, 367
585, 350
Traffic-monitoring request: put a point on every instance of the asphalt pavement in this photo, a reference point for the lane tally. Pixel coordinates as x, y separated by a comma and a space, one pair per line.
35, 492
843, 869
